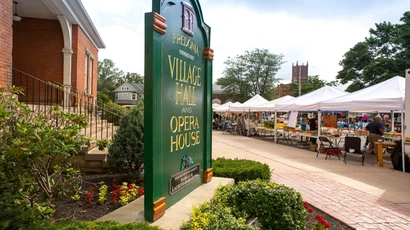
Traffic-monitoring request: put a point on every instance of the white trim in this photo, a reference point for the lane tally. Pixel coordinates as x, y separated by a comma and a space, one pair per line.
75, 13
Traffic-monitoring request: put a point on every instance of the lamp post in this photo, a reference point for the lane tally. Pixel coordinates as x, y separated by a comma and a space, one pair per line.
300, 84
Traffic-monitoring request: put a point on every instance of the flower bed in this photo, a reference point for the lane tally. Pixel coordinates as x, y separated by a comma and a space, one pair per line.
96, 196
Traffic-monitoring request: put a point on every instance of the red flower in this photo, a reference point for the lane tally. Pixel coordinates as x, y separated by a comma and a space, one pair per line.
322, 221
116, 191
141, 191
90, 195
306, 204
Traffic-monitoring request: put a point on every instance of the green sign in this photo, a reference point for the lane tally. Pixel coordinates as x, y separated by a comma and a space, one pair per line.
178, 108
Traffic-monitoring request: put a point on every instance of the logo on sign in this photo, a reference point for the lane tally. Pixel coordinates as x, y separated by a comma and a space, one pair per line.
188, 19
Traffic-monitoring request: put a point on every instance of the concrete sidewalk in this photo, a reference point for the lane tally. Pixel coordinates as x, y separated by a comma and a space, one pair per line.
365, 197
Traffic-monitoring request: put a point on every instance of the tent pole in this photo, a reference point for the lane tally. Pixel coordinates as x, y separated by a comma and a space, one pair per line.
402, 141
276, 129
392, 120
319, 127
249, 123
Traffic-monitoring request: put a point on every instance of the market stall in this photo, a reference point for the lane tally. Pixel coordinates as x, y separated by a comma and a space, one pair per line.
388, 95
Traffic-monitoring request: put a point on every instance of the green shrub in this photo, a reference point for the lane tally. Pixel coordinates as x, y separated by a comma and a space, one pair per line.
276, 206
12, 215
240, 170
126, 154
215, 216
113, 112
36, 153
100, 225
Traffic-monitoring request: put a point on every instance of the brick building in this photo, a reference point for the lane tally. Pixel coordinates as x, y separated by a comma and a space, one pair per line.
218, 95
6, 42
283, 90
303, 70
54, 41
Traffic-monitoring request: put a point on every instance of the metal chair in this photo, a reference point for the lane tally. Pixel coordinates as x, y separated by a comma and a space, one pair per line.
353, 147
326, 146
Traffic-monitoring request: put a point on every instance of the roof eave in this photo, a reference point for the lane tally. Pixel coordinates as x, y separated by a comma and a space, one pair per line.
76, 14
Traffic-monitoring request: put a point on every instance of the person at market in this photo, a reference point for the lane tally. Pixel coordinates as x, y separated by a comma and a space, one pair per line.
386, 119
303, 123
240, 124
376, 130
387, 127
222, 123
313, 127
398, 119
365, 118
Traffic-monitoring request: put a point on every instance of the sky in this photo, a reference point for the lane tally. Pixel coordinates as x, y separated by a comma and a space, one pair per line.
315, 31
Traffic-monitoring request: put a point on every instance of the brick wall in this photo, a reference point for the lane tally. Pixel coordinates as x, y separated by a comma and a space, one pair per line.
283, 90
37, 50
6, 42
222, 97
81, 46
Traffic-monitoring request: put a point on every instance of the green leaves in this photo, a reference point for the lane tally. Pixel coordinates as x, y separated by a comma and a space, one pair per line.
382, 55
240, 169
36, 153
250, 74
313, 84
126, 154
276, 206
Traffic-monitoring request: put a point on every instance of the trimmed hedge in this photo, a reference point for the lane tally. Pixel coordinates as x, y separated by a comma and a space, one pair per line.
215, 216
100, 225
240, 170
276, 206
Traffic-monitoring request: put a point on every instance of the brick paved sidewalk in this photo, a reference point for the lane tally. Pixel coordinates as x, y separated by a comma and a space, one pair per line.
353, 207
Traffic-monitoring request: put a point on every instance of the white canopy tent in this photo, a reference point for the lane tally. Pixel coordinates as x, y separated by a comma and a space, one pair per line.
223, 107
270, 105
255, 100
387, 95
215, 105
310, 101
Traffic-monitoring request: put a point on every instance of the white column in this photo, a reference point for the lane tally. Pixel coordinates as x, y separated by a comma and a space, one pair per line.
66, 27
67, 75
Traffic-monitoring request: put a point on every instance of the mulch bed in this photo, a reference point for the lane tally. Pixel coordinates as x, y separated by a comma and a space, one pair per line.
67, 208
334, 223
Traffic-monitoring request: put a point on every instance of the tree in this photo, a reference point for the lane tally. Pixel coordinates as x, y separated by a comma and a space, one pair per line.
127, 150
250, 74
314, 83
132, 77
383, 55
109, 77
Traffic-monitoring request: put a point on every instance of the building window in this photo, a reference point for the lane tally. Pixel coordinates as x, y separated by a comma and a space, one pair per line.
133, 96
124, 88
88, 73
116, 96
140, 95
90, 86
187, 19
